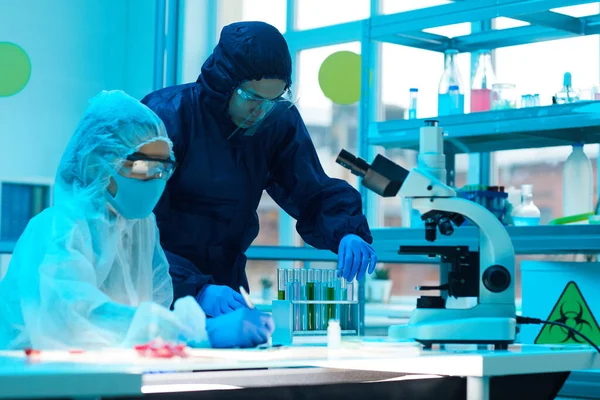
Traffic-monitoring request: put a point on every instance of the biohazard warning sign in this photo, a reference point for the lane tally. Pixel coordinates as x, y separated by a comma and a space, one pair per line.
572, 310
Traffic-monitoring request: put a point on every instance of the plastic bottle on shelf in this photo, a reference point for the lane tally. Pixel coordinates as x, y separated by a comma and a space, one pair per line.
450, 77
456, 103
578, 184
412, 103
567, 94
526, 213
481, 86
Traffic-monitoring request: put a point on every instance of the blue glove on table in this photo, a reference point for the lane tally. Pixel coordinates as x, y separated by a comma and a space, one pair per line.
217, 300
355, 256
242, 328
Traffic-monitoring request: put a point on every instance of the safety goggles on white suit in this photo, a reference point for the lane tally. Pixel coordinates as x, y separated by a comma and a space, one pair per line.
143, 167
261, 112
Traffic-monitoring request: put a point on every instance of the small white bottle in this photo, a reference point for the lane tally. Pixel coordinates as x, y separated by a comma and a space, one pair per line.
334, 334
527, 213
578, 183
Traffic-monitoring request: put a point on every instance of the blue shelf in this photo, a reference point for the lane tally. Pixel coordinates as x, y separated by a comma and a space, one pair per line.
545, 239
526, 240
573, 239
555, 125
406, 28
289, 253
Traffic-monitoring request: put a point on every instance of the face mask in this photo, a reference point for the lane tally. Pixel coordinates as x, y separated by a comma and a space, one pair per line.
135, 199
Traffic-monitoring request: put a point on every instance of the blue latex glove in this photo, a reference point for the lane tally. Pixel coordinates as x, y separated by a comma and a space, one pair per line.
217, 300
242, 328
355, 256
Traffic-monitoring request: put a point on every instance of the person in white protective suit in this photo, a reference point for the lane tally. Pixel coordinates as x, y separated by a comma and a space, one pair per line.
89, 272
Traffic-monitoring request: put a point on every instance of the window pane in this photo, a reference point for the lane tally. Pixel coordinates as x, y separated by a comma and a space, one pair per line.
539, 67
268, 216
506, 23
331, 126
269, 11
581, 10
319, 13
543, 169
396, 6
262, 279
405, 67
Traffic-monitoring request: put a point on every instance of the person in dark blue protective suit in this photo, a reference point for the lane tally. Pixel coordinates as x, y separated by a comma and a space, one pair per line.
236, 133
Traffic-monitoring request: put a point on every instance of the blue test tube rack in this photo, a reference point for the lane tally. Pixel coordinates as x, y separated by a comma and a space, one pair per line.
312, 298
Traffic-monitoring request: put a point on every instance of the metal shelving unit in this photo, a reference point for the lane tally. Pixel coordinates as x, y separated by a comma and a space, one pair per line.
580, 239
556, 125
483, 132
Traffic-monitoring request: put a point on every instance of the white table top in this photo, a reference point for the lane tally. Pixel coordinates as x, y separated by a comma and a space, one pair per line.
115, 372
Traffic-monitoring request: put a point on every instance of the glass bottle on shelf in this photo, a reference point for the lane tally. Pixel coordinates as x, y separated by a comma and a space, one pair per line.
481, 86
450, 77
526, 213
567, 94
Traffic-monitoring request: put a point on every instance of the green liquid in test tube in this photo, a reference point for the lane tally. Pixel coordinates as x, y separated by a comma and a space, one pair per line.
281, 283
330, 295
317, 279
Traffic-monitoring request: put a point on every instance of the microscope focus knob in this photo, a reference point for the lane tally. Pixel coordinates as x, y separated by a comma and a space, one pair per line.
496, 278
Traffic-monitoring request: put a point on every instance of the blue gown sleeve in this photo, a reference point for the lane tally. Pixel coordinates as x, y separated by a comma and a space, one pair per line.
188, 280
326, 209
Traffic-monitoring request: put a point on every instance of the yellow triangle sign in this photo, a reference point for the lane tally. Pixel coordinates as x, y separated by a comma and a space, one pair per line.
572, 310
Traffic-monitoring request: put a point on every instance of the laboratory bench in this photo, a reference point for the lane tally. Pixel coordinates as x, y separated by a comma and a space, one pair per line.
371, 367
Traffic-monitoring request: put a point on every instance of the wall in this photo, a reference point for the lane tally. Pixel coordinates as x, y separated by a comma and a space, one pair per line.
77, 48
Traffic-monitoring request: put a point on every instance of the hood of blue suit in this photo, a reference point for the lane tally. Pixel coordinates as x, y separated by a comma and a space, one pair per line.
246, 51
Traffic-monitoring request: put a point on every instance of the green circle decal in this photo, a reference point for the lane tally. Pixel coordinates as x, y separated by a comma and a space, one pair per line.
339, 77
15, 69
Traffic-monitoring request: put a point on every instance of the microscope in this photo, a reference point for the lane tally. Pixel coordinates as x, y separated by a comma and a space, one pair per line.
484, 274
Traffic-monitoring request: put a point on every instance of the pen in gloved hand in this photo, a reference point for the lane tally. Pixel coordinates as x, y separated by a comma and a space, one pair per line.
246, 297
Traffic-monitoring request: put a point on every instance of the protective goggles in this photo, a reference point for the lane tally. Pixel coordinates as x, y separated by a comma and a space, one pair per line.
141, 166
260, 112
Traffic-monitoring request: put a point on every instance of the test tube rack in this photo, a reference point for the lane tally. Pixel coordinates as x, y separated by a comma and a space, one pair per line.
308, 299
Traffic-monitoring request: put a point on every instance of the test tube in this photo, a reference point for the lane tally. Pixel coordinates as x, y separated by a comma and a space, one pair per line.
341, 309
304, 297
281, 283
318, 296
329, 295
289, 284
352, 316
310, 296
293, 294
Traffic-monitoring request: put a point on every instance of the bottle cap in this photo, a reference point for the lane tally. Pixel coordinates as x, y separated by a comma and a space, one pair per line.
567, 79
413, 90
453, 87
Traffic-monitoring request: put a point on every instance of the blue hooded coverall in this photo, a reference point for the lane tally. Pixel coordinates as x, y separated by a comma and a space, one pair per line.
207, 216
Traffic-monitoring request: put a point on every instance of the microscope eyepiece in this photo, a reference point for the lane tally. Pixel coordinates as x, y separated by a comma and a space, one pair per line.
356, 165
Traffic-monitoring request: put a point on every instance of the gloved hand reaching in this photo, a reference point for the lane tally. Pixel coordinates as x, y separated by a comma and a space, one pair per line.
355, 256
241, 328
217, 300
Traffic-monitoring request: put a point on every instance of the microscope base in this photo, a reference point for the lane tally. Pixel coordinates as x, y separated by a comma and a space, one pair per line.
496, 331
